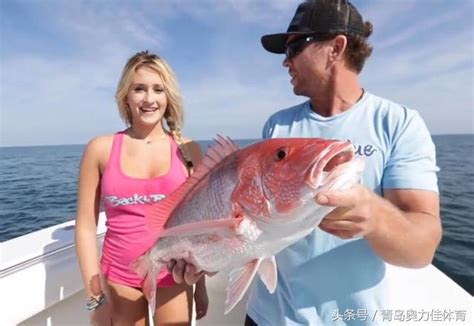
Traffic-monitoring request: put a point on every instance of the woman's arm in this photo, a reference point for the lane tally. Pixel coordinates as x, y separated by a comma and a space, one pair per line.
87, 218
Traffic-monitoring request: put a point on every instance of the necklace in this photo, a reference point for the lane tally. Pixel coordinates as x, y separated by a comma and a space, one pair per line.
148, 141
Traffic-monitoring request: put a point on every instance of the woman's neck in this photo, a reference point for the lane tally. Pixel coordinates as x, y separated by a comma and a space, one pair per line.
148, 135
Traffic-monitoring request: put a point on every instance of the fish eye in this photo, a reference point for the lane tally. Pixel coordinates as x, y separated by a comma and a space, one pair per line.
281, 153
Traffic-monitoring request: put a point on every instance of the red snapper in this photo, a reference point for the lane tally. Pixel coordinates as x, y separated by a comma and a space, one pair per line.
243, 206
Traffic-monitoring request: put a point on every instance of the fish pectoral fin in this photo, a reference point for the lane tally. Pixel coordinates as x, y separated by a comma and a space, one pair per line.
224, 227
239, 281
268, 273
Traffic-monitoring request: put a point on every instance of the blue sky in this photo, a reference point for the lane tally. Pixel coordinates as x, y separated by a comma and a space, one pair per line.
61, 60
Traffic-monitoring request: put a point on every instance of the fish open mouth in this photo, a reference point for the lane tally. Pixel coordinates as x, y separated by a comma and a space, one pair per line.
336, 155
338, 159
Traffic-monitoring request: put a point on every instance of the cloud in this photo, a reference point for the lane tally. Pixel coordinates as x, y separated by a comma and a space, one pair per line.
70, 97
266, 12
223, 104
413, 31
64, 59
426, 64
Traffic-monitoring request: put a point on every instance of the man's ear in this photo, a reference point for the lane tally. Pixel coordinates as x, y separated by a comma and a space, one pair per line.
339, 46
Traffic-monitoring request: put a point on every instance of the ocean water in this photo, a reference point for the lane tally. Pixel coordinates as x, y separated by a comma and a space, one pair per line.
39, 184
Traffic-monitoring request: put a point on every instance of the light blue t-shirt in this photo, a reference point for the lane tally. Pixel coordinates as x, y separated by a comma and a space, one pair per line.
325, 280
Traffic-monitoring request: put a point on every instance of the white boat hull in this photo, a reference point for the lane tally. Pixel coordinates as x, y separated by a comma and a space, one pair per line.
41, 285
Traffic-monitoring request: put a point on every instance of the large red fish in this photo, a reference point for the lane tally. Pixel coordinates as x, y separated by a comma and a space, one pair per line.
242, 206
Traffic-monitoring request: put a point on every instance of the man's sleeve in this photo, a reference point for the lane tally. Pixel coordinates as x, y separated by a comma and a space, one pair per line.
412, 160
267, 129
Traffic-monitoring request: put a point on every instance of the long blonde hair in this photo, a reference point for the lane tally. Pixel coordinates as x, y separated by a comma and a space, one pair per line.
174, 113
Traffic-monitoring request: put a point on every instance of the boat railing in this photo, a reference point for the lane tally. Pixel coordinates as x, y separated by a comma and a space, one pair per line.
38, 271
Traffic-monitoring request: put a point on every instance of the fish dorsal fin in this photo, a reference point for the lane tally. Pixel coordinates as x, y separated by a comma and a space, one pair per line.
157, 214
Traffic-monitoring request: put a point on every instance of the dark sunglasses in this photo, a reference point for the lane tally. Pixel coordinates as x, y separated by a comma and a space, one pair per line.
295, 47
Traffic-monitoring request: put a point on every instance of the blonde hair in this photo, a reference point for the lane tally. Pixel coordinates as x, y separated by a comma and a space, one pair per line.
174, 112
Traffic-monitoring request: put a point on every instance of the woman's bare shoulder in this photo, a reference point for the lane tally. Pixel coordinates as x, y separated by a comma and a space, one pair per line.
101, 143
99, 147
193, 148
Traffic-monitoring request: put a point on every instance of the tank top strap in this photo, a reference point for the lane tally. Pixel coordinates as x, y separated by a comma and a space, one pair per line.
114, 157
176, 157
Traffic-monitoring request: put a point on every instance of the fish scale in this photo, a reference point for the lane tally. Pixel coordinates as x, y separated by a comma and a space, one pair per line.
222, 185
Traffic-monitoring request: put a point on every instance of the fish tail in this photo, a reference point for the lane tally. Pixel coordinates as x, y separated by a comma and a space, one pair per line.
148, 271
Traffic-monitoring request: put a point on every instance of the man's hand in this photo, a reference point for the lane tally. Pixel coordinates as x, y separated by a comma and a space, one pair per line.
403, 228
183, 272
353, 216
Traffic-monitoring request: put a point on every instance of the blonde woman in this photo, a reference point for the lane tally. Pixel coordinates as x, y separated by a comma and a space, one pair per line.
128, 171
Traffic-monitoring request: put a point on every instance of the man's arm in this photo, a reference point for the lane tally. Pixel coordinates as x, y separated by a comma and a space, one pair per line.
403, 228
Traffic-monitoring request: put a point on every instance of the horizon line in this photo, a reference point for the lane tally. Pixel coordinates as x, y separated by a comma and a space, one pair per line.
197, 140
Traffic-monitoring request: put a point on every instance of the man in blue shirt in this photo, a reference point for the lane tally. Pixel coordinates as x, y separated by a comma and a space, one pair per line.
392, 218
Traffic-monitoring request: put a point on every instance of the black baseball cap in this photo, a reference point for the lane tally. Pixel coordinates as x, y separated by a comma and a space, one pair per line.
322, 17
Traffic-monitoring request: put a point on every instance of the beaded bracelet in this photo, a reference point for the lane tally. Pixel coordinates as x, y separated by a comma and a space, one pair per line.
96, 302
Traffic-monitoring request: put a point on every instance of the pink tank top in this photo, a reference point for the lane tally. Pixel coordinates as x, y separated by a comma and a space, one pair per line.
125, 199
